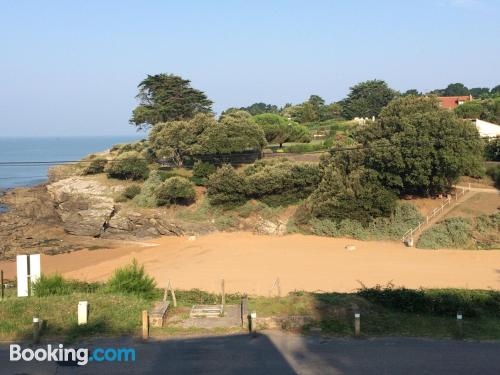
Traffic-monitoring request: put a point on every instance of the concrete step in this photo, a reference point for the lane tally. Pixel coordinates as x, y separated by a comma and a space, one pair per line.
206, 311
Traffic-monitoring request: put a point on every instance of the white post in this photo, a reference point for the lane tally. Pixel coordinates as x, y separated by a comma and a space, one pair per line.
83, 310
35, 268
22, 275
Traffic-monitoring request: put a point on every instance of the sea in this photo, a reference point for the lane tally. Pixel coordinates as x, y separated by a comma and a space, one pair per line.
46, 149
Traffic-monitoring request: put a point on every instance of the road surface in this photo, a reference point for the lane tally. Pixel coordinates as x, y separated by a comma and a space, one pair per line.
282, 353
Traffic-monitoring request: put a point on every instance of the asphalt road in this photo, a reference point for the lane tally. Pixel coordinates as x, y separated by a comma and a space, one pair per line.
281, 353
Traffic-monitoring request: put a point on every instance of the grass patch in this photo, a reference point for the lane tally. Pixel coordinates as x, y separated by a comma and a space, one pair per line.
392, 311
385, 311
109, 315
482, 232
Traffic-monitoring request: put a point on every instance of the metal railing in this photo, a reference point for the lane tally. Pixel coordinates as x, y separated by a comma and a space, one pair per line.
435, 212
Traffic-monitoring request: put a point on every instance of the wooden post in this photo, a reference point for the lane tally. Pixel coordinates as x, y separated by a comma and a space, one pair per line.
1, 282
279, 287
174, 300
244, 310
36, 330
460, 325
357, 324
223, 293
145, 325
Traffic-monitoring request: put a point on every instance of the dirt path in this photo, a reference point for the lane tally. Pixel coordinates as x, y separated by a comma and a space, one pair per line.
250, 263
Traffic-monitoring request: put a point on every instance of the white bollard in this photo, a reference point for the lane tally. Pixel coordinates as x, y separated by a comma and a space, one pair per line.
83, 311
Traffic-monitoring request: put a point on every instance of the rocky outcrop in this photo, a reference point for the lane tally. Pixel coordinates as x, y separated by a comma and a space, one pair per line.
270, 227
128, 225
84, 206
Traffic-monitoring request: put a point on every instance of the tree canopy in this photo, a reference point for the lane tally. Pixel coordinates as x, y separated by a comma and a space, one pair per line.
486, 109
366, 99
278, 129
259, 108
234, 132
167, 97
418, 148
456, 89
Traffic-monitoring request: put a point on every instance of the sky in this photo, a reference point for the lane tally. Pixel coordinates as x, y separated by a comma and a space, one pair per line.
72, 67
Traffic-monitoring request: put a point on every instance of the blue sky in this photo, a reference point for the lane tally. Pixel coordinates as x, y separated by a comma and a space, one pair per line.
72, 67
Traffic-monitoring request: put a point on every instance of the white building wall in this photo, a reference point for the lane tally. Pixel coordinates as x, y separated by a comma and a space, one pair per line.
487, 129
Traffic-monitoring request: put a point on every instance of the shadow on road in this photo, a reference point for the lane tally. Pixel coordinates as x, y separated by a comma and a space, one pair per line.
282, 353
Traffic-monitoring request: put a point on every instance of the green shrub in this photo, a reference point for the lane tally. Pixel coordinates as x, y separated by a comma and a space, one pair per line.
453, 232
132, 279
492, 149
132, 191
147, 197
444, 302
57, 285
306, 147
175, 190
226, 187
165, 175
96, 166
224, 222
348, 190
404, 217
482, 232
201, 172
281, 182
494, 173
129, 166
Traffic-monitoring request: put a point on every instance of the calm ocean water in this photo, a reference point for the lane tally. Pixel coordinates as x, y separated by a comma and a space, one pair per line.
47, 149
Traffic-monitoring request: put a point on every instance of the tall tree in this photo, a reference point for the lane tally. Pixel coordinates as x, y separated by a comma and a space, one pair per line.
479, 92
413, 92
167, 97
419, 148
367, 99
278, 129
456, 89
495, 91
259, 108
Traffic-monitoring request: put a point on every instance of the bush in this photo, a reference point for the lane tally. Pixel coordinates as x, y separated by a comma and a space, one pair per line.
405, 216
444, 302
481, 233
306, 147
56, 285
225, 187
453, 232
201, 172
348, 190
494, 173
129, 166
281, 182
175, 190
147, 197
132, 279
132, 191
492, 149
96, 166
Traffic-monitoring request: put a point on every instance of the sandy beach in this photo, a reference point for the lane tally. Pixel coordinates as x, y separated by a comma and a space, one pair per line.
251, 263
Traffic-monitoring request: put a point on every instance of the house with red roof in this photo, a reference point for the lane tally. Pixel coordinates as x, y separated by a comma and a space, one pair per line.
451, 102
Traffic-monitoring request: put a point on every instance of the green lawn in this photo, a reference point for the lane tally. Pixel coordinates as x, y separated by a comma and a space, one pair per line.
383, 313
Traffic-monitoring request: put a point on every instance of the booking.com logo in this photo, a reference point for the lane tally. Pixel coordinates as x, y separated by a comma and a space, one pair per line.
81, 356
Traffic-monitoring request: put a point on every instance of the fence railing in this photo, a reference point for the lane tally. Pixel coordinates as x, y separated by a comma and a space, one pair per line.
435, 212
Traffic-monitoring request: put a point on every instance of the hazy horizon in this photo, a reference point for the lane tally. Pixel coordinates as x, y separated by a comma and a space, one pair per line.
72, 68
